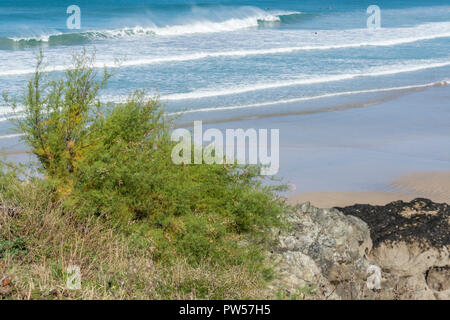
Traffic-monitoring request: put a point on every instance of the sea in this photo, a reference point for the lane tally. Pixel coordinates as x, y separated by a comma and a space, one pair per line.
218, 60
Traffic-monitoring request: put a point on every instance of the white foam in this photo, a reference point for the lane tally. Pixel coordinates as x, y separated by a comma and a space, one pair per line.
18, 72
40, 38
374, 72
200, 26
421, 33
10, 136
196, 27
328, 95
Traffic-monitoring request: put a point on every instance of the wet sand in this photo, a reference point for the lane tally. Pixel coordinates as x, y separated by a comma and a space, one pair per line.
364, 149
329, 199
431, 185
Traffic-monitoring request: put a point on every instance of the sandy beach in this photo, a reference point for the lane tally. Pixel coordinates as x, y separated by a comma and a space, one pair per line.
362, 117
369, 154
381, 152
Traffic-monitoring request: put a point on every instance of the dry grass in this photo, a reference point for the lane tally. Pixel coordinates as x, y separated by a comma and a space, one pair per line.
113, 265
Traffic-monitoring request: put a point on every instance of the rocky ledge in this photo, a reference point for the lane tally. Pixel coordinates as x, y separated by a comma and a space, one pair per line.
397, 251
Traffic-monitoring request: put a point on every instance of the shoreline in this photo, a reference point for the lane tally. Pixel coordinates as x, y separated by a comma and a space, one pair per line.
340, 156
290, 107
342, 101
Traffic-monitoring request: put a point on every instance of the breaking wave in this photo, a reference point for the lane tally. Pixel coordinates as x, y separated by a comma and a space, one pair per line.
373, 72
259, 18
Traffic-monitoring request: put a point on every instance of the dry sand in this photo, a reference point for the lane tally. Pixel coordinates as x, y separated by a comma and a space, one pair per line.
432, 185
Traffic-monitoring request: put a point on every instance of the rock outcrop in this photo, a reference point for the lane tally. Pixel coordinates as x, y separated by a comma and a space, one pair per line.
397, 251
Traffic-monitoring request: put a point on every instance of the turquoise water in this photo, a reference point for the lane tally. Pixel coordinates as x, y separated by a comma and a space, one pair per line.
220, 58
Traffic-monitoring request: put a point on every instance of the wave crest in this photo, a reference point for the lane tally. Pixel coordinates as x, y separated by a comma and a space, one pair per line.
258, 19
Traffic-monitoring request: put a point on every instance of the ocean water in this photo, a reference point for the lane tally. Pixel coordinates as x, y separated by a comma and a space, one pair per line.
225, 59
